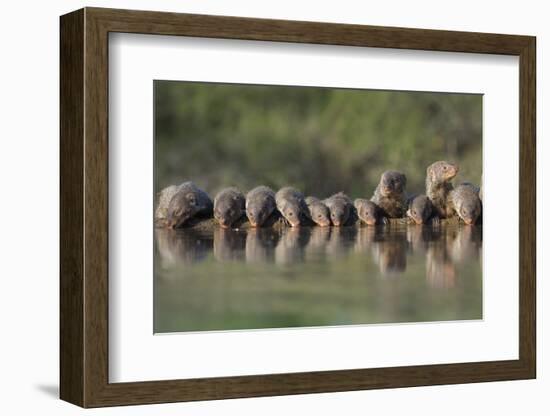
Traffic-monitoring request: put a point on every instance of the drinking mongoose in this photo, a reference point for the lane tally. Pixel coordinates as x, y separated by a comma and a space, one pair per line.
389, 195
187, 202
340, 208
318, 212
292, 205
369, 212
229, 206
420, 209
466, 202
439, 187
260, 204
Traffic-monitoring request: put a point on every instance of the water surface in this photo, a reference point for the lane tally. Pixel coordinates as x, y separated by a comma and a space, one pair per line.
312, 276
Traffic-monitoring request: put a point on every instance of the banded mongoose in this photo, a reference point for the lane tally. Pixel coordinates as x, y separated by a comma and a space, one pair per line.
260, 204
390, 196
420, 209
369, 213
187, 202
340, 207
318, 211
229, 206
292, 205
466, 202
439, 187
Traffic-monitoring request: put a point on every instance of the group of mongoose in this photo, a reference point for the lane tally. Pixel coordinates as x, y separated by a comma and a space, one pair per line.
179, 203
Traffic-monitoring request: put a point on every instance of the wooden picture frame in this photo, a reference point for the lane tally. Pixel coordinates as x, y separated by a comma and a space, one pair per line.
84, 207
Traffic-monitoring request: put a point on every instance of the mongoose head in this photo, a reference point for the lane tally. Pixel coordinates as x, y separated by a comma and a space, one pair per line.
182, 207
441, 171
228, 208
339, 212
292, 213
367, 211
420, 209
392, 183
319, 213
258, 209
468, 207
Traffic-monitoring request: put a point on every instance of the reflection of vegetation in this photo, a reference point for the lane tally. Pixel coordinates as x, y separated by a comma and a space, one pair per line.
319, 140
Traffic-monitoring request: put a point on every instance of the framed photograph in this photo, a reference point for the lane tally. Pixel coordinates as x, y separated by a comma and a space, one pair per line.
255, 207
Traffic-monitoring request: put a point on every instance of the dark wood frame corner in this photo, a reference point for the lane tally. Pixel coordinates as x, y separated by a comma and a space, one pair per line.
84, 207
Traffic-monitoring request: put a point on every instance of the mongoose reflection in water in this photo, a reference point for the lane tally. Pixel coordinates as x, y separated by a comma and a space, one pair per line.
290, 247
292, 205
390, 253
439, 187
389, 195
181, 248
229, 206
260, 245
318, 212
340, 207
466, 202
420, 209
187, 202
260, 204
229, 244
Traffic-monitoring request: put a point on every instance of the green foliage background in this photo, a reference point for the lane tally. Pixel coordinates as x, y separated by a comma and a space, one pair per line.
320, 140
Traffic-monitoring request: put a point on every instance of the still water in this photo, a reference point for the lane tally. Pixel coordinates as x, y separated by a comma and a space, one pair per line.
312, 276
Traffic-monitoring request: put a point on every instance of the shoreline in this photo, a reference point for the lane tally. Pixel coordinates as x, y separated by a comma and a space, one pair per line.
277, 222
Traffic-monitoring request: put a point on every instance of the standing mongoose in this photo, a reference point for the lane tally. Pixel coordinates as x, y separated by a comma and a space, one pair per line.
389, 195
439, 187
229, 206
188, 201
164, 197
340, 207
420, 209
292, 205
260, 204
369, 212
466, 202
318, 211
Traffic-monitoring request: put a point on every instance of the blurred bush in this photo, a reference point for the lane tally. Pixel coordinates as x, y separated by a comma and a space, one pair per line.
319, 140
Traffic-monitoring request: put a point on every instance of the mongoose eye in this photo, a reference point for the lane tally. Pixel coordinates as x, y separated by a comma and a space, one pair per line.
414, 212
290, 214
